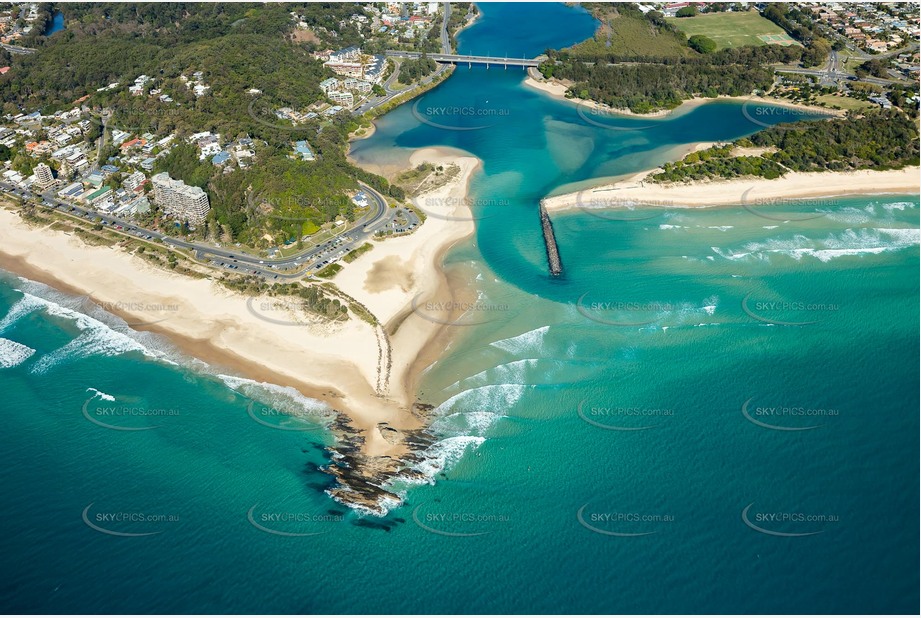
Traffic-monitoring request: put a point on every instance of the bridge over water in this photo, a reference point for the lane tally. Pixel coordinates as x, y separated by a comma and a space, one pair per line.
469, 59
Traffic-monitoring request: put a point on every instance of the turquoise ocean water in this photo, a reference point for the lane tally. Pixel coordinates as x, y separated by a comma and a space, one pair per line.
710, 411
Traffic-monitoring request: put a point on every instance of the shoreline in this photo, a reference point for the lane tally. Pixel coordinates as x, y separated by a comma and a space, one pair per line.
634, 192
557, 90
397, 271
366, 374
208, 320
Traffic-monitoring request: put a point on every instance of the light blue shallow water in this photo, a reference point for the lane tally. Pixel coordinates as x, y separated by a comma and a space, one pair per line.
602, 433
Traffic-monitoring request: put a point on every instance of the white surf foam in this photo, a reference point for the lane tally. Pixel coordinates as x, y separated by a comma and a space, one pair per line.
899, 206
100, 394
513, 372
487, 397
21, 308
850, 242
444, 454
13, 353
530, 341
95, 339
283, 398
459, 424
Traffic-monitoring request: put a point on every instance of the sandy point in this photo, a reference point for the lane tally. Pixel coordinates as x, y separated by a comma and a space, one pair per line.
637, 191
399, 273
359, 369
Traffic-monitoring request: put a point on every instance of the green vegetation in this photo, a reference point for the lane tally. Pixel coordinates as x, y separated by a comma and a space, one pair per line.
413, 70
798, 23
645, 63
354, 254
687, 11
314, 299
717, 162
458, 20
329, 271
883, 139
702, 44
649, 84
842, 102
874, 67
733, 29
627, 31
237, 47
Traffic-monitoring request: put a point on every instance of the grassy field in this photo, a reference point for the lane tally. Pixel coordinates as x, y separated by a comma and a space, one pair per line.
733, 29
845, 102
627, 35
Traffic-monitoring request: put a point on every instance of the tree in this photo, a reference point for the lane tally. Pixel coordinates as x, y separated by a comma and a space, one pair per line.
874, 67
688, 11
701, 43
816, 53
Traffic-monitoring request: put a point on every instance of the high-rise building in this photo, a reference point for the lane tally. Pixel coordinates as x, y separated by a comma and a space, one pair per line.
43, 175
179, 199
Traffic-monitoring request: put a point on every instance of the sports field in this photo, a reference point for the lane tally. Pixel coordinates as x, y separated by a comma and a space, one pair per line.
733, 29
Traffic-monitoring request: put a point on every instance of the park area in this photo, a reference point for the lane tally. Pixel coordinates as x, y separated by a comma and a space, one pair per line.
734, 29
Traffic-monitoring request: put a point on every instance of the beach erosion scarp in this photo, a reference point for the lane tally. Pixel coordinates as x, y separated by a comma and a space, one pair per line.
379, 429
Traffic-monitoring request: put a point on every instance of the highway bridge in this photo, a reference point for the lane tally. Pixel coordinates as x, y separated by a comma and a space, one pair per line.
470, 59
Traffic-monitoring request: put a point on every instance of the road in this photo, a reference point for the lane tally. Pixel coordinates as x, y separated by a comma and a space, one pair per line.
445, 40
102, 138
16, 49
833, 71
823, 75
237, 261
467, 58
373, 103
370, 104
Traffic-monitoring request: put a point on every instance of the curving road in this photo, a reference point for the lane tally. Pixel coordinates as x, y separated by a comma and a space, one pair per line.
292, 267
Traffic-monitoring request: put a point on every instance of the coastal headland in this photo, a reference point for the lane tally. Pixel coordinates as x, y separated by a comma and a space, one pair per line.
366, 373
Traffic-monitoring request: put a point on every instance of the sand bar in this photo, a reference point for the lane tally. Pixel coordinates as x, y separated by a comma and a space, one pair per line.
635, 191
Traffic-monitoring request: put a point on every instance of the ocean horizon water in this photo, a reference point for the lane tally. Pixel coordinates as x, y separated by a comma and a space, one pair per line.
713, 410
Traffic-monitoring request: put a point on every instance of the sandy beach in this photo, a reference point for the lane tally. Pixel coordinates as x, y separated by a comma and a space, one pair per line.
405, 270
339, 363
636, 192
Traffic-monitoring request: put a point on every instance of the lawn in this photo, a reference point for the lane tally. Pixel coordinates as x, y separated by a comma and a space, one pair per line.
733, 29
845, 102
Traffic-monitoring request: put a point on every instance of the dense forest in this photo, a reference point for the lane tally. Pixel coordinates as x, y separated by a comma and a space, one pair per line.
799, 25
645, 84
237, 47
880, 139
642, 62
412, 70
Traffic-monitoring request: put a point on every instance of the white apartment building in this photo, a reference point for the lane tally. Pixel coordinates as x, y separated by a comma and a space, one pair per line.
43, 175
179, 199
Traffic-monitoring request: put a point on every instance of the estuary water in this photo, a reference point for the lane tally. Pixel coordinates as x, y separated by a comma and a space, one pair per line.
712, 410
